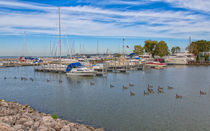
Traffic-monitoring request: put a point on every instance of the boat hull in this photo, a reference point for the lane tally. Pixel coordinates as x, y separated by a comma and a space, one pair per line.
81, 74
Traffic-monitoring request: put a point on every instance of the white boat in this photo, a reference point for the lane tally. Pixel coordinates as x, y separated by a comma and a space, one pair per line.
76, 69
179, 59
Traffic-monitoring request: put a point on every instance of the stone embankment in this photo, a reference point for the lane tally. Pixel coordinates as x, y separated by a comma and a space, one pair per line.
16, 117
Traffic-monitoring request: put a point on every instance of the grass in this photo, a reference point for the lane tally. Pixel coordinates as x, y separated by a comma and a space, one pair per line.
54, 116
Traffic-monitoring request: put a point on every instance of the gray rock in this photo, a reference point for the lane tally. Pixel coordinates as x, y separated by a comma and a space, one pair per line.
66, 128
17, 127
5, 127
48, 121
28, 124
42, 128
36, 125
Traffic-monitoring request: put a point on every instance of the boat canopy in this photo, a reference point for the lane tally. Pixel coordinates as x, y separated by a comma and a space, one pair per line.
73, 65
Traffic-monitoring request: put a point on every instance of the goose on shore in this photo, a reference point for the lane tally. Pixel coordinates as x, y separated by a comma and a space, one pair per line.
202, 93
178, 96
132, 93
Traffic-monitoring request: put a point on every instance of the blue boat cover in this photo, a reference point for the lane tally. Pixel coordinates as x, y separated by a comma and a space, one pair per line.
73, 65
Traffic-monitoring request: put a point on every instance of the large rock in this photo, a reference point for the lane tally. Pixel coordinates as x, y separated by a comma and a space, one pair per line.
5, 127
66, 128
48, 121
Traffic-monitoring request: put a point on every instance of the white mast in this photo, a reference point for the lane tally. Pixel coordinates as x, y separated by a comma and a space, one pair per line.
59, 12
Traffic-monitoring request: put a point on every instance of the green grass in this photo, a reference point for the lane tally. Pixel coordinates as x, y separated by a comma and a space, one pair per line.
54, 116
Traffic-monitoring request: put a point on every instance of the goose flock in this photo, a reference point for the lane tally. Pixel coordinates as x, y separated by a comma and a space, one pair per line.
149, 89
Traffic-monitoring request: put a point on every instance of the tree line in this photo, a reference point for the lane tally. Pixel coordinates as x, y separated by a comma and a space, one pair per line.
161, 49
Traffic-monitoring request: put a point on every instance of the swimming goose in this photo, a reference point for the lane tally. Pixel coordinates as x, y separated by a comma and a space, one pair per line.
178, 96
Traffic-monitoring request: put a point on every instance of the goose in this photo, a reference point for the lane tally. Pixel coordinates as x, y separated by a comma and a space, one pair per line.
130, 84
111, 86
150, 90
150, 86
60, 81
146, 93
132, 93
31, 79
15, 77
202, 93
170, 87
125, 87
178, 96
160, 89
91, 83
48, 80
23, 78
5, 78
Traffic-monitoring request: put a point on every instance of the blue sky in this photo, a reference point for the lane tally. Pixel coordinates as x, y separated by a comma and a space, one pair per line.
84, 22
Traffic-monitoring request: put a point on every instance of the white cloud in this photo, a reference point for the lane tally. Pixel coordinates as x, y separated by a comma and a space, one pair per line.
86, 20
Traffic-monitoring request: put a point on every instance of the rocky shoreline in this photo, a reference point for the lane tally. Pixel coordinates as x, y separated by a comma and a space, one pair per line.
16, 117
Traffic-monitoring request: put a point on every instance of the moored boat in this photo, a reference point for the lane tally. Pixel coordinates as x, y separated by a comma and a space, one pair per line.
77, 69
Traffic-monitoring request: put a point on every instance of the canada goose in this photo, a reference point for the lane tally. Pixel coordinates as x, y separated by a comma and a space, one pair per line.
178, 96
130, 84
60, 81
91, 83
170, 87
202, 93
132, 93
146, 93
150, 86
150, 90
125, 87
23, 78
111, 86
31, 79
160, 90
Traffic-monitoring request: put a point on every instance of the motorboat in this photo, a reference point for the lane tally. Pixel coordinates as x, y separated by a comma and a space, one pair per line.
77, 69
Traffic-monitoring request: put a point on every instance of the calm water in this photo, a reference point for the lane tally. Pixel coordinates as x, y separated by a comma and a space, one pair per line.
113, 108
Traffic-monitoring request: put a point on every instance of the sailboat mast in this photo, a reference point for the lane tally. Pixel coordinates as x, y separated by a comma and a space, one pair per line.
24, 53
59, 12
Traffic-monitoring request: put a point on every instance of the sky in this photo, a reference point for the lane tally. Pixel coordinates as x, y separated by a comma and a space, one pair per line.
84, 23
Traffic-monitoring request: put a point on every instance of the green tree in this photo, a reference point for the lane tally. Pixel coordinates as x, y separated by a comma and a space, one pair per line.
199, 46
118, 55
161, 49
138, 49
175, 49
150, 46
